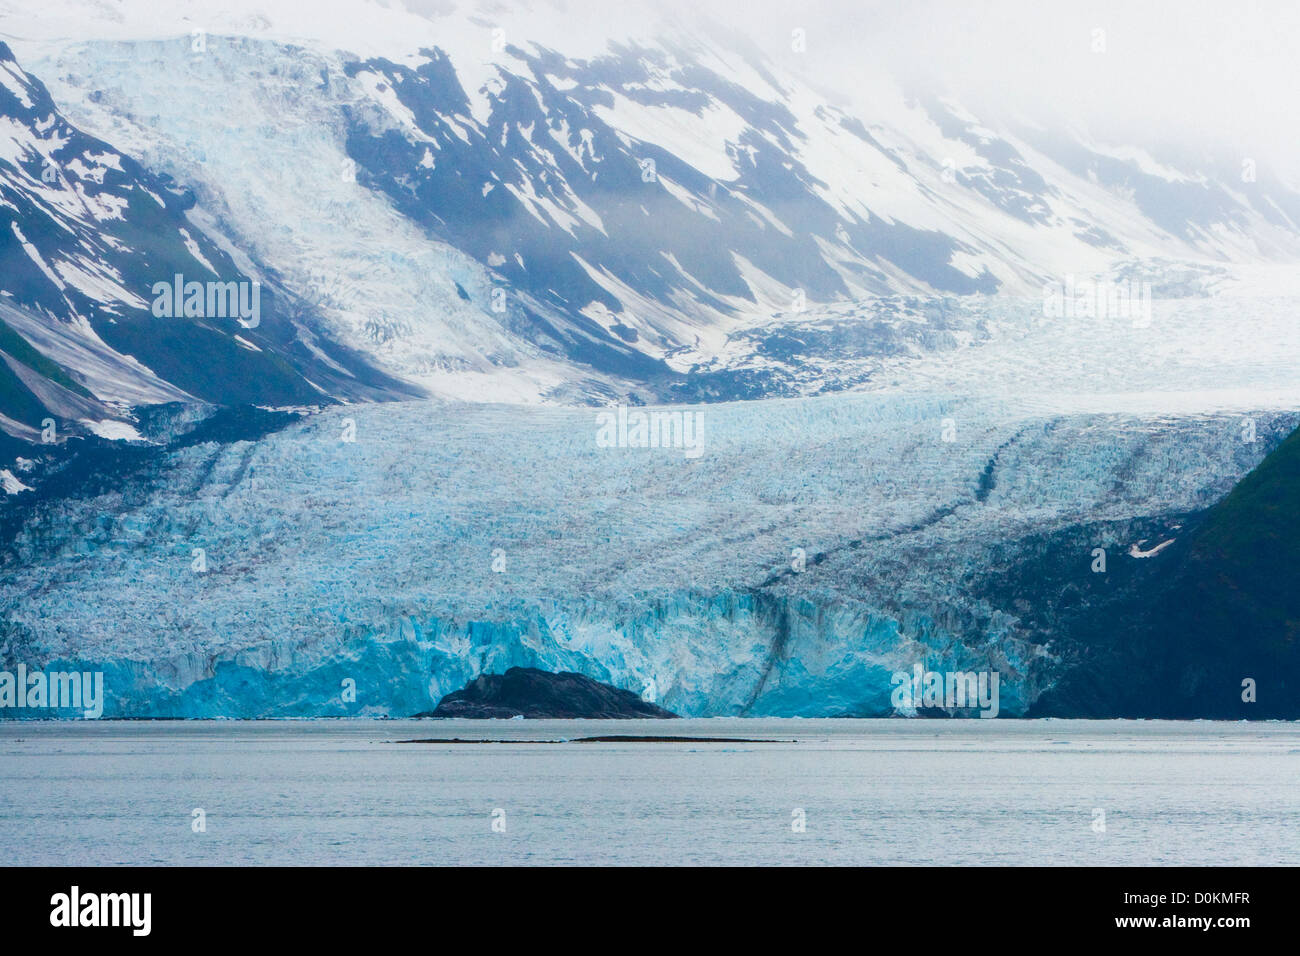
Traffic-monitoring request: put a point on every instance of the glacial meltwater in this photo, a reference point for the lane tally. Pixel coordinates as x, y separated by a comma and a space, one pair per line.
360, 792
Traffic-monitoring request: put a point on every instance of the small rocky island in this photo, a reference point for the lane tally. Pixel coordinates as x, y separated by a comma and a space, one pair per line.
528, 692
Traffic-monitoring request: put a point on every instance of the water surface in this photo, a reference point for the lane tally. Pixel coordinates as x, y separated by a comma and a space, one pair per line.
871, 792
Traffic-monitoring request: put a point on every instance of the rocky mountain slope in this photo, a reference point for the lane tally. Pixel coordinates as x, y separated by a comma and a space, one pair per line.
86, 236
1209, 627
482, 204
470, 231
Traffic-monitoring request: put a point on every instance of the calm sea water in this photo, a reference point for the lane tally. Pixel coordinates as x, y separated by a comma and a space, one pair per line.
870, 792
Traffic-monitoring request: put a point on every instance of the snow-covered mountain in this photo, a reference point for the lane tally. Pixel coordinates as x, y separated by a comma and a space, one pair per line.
86, 234
451, 215
488, 203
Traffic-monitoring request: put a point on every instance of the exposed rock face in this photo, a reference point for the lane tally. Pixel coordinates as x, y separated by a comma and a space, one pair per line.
1211, 628
528, 692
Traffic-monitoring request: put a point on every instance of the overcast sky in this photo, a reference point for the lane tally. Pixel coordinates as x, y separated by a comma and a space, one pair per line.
1218, 74
1222, 73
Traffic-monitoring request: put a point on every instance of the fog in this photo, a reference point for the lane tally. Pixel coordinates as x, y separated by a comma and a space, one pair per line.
1188, 73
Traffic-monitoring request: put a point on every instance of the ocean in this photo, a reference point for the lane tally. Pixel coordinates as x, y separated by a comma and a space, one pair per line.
521, 792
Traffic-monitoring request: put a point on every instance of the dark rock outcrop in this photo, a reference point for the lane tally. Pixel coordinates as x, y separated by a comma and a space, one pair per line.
528, 692
1212, 629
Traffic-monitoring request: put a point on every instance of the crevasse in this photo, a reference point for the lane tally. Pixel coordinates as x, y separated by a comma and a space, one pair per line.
450, 540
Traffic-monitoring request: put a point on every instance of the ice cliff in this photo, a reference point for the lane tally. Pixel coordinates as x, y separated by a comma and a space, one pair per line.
811, 550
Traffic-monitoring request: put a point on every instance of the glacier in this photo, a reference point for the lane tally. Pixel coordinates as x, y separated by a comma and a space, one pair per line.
471, 216
464, 227
815, 547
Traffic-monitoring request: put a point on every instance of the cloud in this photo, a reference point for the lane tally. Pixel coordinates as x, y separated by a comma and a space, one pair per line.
1191, 73
1198, 74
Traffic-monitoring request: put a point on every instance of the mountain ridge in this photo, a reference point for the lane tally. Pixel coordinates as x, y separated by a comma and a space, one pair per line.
531, 254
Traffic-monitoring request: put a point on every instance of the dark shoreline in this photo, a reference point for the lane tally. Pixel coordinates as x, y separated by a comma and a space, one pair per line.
606, 739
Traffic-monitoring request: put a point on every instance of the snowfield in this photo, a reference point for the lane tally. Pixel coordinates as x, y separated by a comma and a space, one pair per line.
462, 197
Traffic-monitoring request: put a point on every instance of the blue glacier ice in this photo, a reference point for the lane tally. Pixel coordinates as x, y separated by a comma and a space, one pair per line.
812, 550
